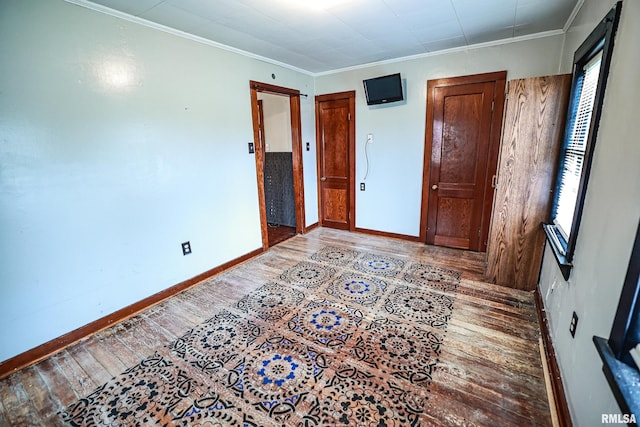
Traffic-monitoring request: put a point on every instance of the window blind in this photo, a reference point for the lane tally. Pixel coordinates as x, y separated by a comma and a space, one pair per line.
576, 147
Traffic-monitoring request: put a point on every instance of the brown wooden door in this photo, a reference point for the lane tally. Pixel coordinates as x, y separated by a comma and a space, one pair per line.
335, 140
464, 116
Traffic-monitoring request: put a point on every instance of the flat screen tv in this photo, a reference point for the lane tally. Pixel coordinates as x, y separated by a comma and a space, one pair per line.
382, 90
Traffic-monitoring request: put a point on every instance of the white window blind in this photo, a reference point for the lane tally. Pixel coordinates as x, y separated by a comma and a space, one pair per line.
576, 147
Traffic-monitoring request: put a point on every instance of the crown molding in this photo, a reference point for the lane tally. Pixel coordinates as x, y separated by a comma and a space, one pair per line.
137, 20
572, 16
446, 51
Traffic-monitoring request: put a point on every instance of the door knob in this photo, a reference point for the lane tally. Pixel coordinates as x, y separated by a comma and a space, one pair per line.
324, 178
434, 187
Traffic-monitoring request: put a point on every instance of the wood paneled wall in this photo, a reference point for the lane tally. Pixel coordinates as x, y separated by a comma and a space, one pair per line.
531, 137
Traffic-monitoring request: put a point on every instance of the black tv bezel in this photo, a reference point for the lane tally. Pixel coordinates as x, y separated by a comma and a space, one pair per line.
395, 76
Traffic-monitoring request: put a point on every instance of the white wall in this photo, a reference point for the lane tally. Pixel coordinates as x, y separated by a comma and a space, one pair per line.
609, 221
391, 202
117, 143
277, 122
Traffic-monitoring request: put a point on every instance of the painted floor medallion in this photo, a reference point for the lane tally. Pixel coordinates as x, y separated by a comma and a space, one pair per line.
326, 323
379, 265
434, 277
357, 289
343, 338
307, 275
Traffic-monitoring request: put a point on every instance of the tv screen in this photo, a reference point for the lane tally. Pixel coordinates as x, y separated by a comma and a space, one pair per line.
382, 90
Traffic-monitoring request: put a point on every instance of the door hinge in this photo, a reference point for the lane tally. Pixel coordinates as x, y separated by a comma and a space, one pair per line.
479, 232
493, 103
348, 116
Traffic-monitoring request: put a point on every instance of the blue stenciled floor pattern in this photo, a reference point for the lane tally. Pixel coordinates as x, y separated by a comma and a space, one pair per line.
344, 338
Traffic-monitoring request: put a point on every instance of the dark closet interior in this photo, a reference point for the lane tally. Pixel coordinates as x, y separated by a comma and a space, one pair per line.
278, 189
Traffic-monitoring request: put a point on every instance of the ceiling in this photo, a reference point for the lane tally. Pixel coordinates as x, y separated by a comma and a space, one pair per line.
318, 36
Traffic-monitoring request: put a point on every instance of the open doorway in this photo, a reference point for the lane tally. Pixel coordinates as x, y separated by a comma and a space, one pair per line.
278, 150
275, 134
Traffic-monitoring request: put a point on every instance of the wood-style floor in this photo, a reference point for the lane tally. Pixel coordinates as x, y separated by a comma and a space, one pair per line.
279, 233
489, 374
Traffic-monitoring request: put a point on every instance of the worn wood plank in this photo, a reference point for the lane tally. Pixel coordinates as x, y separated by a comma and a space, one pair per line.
89, 364
57, 383
81, 382
4, 421
107, 360
43, 401
489, 370
8, 400
174, 325
141, 337
21, 409
531, 139
111, 343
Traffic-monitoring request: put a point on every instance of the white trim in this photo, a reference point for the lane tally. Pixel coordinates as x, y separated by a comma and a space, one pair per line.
572, 16
137, 20
446, 51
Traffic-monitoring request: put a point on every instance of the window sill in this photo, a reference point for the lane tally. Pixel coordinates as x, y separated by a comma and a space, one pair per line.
563, 263
622, 378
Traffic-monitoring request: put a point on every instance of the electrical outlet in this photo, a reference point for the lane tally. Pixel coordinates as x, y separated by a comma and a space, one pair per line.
573, 325
369, 138
186, 248
362, 186
308, 146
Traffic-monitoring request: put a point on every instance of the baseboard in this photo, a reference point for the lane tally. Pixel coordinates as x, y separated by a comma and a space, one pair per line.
558, 396
311, 227
45, 350
386, 234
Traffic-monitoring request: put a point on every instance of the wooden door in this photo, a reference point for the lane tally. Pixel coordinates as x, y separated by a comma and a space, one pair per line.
335, 127
531, 139
464, 116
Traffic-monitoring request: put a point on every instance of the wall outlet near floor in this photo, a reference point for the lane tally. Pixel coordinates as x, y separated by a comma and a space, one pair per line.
573, 325
362, 186
186, 248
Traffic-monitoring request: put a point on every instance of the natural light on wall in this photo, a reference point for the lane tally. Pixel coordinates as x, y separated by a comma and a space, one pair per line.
116, 74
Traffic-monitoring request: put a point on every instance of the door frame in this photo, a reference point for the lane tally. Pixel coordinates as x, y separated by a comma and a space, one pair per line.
351, 97
296, 146
500, 79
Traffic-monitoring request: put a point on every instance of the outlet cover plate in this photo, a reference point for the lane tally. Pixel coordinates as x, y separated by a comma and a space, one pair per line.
186, 248
573, 325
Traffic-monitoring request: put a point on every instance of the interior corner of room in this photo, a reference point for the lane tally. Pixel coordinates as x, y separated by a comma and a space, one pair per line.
119, 143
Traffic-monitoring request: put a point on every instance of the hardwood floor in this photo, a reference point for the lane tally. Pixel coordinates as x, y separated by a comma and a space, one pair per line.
279, 233
489, 371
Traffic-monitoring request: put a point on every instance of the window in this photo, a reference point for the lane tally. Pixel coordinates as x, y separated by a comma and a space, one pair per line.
591, 67
576, 146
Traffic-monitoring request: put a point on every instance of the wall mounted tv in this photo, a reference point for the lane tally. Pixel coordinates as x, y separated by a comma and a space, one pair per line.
382, 90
